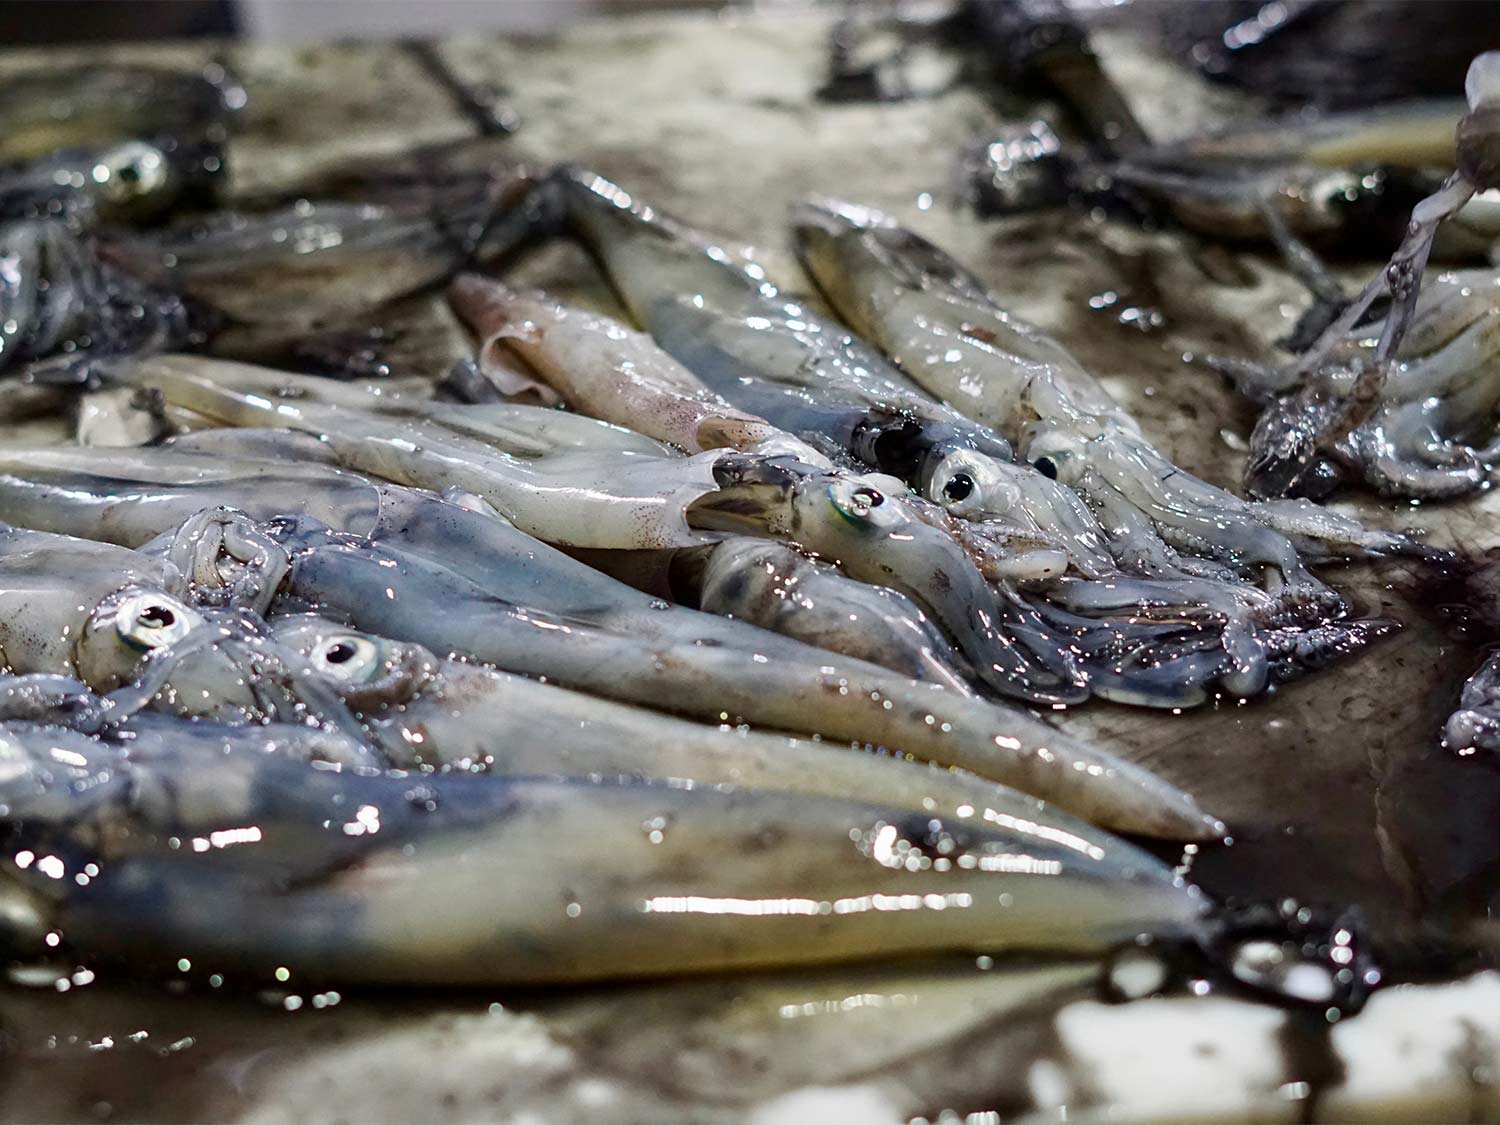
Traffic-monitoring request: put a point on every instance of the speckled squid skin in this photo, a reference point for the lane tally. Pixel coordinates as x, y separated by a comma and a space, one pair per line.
603, 369
458, 879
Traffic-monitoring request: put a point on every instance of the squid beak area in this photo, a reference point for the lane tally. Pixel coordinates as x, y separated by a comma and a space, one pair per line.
754, 493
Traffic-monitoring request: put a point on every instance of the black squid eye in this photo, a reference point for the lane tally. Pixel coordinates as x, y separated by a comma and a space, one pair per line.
869, 497
157, 617
959, 487
340, 652
1046, 466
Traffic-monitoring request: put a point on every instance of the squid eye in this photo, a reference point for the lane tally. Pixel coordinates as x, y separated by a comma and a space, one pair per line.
1046, 466
349, 657
959, 487
149, 621
856, 503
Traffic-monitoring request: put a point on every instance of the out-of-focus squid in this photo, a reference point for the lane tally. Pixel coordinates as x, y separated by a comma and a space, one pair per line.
1431, 431
49, 108
62, 306
1411, 409
249, 863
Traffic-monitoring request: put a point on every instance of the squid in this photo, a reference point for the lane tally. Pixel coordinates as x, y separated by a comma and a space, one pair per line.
414, 567
940, 322
604, 368
258, 863
640, 495
117, 621
1403, 415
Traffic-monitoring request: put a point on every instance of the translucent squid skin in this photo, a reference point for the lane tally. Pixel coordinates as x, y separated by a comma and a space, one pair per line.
928, 313
355, 876
417, 567
1432, 432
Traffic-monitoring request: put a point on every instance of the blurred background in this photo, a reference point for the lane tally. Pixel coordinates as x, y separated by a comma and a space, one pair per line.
38, 22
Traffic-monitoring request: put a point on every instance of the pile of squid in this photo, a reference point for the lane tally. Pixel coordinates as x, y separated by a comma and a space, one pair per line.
544, 645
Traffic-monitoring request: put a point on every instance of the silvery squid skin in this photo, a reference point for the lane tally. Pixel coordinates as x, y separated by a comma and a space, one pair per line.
413, 567
940, 323
347, 876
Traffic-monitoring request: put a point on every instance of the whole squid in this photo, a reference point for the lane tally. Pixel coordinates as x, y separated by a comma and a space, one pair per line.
1430, 433
607, 488
245, 863
1399, 417
639, 495
763, 350
124, 181
62, 304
